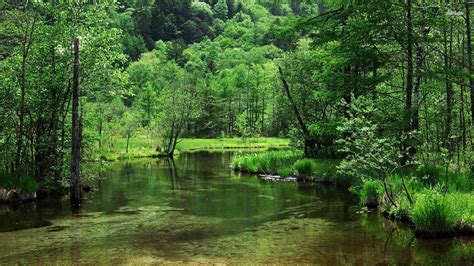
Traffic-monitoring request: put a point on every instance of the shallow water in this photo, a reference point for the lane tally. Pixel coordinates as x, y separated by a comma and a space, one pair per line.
196, 210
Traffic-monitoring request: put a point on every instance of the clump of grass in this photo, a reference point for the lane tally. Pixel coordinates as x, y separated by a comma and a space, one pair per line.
437, 214
429, 174
22, 182
285, 171
305, 167
462, 182
267, 162
370, 192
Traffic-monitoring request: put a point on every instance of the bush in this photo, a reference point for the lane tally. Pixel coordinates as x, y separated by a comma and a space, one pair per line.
305, 167
435, 214
370, 192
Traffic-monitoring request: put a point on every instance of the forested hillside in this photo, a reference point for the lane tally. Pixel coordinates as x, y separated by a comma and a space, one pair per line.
163, 69
383, 85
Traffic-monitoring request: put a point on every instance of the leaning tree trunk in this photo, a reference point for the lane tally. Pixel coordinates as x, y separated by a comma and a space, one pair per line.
310, 145
76, 133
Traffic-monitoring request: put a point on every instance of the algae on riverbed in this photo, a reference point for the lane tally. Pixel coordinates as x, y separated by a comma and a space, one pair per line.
201, 212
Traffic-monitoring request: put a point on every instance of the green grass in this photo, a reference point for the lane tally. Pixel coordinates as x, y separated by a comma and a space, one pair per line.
285, 171
24, 183
305, 167
270, 162
370, 192
142, 146
231, 143
286, 163
436, 214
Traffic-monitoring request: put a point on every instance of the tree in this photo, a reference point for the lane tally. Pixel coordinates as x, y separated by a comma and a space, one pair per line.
76, 133
178, 105
44, 81
129, 126
221, 10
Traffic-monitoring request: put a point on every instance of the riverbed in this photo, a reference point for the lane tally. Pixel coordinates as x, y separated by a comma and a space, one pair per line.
196, 210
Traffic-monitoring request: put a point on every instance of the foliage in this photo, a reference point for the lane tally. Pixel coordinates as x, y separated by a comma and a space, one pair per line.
368, 155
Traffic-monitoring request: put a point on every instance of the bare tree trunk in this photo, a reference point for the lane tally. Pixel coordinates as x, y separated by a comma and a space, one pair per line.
462, 108
469, 58
76, 133
128, 141
408, 148
309, 144
448, 50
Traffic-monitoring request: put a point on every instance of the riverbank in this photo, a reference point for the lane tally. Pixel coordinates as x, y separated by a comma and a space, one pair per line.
144, 147
442, 208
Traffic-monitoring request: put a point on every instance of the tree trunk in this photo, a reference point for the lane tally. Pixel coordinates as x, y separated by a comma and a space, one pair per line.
128, 141
462, 107
408, 147
76, 133
448, 50
469, 58
309, 145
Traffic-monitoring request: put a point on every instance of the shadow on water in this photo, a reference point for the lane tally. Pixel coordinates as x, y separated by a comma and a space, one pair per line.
194, 208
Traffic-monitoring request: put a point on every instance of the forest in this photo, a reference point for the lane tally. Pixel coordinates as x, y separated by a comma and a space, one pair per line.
375, 97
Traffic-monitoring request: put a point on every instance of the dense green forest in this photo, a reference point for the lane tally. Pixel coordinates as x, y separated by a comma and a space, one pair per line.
385, 86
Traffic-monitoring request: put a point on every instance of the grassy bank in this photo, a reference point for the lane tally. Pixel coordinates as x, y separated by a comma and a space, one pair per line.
285, 164
435, 204
141, 146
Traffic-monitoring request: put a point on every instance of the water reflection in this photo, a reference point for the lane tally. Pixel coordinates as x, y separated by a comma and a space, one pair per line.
195, 209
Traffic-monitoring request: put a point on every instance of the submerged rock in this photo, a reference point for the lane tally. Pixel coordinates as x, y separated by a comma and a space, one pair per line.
277, 178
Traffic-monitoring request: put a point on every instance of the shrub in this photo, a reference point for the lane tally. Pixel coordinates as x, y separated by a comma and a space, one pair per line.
305, 167
436, 214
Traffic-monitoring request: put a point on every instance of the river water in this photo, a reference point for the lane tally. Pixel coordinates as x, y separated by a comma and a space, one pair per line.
196, 210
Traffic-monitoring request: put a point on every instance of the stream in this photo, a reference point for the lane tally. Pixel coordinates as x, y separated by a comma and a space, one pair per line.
196, 210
